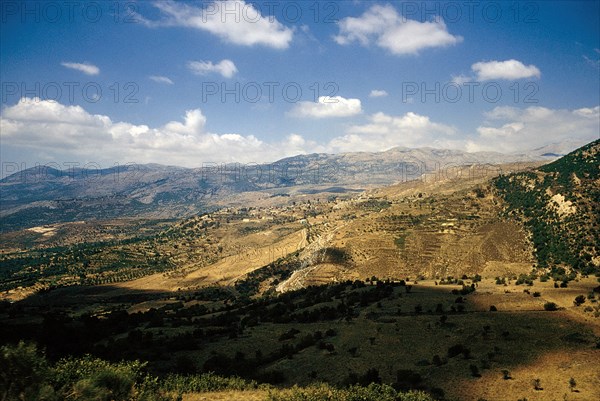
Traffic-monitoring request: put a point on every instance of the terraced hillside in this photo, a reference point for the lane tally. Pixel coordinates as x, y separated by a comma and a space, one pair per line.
432, 227
429, 228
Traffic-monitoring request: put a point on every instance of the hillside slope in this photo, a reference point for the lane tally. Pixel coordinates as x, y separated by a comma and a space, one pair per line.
560, 204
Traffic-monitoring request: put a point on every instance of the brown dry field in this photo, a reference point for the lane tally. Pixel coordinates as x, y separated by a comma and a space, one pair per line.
549, 346
257, 395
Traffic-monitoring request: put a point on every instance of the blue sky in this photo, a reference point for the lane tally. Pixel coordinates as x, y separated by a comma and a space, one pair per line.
186, 83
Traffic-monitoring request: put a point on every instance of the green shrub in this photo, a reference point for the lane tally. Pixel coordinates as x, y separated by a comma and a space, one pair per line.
24, 373
205, 383
324, 392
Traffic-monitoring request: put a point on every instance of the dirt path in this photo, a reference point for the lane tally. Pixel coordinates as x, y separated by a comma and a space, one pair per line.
310, 261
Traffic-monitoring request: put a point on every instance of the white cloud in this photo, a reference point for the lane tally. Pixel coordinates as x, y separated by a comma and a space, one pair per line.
234, 21
53, 131
383, 26
593, 62
378, 93
385, 131
161, 79
86, 68
504, 129
510, 129
461, 79
509, 70
327, 106
225, 67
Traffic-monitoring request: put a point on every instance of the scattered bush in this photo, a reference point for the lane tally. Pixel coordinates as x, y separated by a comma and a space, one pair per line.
457, 350
579, 299
407, 379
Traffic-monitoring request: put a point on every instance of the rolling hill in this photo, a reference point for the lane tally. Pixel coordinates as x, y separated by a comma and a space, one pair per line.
560, 204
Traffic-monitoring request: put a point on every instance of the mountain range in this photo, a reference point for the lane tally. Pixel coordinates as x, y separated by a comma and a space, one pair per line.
45, 195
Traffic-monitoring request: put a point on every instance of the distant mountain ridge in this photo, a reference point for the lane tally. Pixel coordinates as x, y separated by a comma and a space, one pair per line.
558, 149
43, 195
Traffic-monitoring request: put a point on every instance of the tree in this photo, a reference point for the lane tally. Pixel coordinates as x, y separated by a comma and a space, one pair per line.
506, 374
572, 384
537, 384
550, 306
579, 299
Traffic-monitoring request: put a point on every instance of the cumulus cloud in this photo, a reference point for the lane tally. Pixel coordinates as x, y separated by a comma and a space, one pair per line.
51, 131
511, 129
86, 68
510, 70
504, 129
326, 107
234, 21
461, 79
383, 26
378, 93
385, 131
56, 131
161, 79
225, 67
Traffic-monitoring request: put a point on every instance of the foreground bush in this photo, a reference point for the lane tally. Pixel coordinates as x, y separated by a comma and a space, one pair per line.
23, 374
26, 375
207, 382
